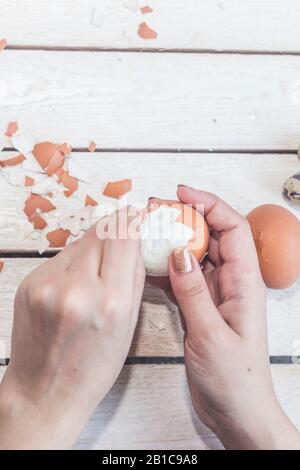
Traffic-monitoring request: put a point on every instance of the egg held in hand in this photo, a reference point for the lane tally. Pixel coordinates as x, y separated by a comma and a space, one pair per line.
276, 232
168, 225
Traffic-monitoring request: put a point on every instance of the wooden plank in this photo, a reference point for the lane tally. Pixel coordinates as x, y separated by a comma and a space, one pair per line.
158, 331
149, 408
225, 24
178, 101
245, 181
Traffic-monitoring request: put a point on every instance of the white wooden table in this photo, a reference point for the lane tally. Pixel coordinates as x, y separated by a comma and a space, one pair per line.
213, 102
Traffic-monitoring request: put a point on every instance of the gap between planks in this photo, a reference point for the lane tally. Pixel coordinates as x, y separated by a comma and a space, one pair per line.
153, 50
179, 360
178, 151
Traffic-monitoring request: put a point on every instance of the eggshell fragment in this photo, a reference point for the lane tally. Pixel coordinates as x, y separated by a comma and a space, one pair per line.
89, 201
3, 44
38, 222
93, 146
145, 32
1, 266
146, 9
44, 152
23, 142
276, 233
58, 238
117, 189
56, 161
68, 181
29, 181
35, 202
291, 190
12, 128
65, 149
12, 161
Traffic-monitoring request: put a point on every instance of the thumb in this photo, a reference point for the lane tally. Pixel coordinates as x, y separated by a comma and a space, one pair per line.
192, 294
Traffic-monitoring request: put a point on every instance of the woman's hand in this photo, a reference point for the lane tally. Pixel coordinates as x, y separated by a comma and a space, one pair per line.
73, 325
226, 354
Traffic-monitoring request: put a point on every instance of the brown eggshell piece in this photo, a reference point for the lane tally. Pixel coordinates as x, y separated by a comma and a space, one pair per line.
58, 238
117, 189
12, 161
1, 266
276, 232
65, 148
3, 44
69, 182
29, 181
43, 152
93, 146
34, 202
12, 128
89, 201
191, 218
146, 9
145, 32
38, 222
57, 161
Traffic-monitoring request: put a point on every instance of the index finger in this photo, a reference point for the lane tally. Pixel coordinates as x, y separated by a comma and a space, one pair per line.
236, 243
121, 249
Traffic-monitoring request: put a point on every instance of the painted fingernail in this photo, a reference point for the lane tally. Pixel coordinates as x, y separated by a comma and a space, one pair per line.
182, 260
184, 186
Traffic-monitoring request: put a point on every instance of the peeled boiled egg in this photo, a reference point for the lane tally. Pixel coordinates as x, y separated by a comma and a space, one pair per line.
168, 225
276, 232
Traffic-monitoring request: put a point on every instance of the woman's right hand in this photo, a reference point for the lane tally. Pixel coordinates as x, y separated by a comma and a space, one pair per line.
226, 353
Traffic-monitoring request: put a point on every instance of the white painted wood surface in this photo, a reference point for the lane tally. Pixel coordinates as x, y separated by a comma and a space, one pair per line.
135, 100
149, 408
253, 25
157, 101
244, 181
158, 332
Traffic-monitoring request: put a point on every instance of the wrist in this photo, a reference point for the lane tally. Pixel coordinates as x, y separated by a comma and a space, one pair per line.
266, 429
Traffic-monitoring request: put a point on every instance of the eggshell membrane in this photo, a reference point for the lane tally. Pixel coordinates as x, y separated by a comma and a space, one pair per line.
191, 218
276, 232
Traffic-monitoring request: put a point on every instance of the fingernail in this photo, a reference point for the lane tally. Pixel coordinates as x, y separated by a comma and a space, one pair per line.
182, 260
184, 186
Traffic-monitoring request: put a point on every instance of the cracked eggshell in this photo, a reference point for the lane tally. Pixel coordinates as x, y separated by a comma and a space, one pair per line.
291, 190
169, 225
276, 233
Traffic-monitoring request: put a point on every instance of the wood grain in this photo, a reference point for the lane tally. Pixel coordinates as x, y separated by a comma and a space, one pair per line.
225, 24
159, 101
153, 403
158, 331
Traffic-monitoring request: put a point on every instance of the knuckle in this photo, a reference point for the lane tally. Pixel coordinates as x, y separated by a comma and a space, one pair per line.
41, 296
192, 288
70, 306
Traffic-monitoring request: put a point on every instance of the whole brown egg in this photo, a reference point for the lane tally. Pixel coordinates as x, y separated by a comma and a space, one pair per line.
276, 232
